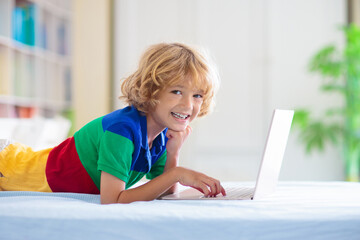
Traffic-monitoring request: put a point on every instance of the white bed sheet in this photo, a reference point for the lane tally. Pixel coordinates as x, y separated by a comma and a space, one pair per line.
298, 210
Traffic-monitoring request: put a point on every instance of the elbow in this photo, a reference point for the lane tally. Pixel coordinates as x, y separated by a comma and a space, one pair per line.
113, 202
127, 196
120, 198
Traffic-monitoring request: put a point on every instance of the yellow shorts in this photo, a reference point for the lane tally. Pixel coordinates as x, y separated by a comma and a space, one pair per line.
22, 169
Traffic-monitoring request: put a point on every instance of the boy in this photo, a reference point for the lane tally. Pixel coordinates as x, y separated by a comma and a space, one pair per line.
171, 87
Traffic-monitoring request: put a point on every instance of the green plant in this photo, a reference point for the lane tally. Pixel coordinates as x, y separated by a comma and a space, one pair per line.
340, 69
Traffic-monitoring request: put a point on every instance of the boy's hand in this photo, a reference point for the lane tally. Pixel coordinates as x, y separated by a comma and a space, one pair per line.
205, 184
176, 140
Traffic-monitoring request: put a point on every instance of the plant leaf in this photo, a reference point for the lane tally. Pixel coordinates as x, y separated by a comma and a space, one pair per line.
316, 134
335, 111
333, 87
327, 62
301, 118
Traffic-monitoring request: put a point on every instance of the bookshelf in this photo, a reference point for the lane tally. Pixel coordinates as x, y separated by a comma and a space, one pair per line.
35, 59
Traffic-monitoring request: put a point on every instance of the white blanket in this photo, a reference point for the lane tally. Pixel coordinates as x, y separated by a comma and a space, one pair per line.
298, 210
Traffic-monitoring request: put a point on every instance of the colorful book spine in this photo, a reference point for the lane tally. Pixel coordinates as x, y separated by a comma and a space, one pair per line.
23, 26
17, 23
62, 38
29, 24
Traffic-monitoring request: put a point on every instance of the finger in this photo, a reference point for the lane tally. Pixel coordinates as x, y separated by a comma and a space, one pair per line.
188, 130
218, 186
223, 192
168, 134
204, 189
199, 189
209, 182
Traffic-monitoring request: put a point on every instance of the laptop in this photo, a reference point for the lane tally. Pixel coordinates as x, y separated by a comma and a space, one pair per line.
269, 168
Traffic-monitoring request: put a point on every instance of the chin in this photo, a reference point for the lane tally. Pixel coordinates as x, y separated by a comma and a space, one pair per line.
177, 129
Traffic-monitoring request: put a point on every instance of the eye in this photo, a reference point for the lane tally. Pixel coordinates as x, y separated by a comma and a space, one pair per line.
177, 92
198, 96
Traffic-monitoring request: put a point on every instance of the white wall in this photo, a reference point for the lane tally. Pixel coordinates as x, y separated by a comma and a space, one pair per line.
262, 48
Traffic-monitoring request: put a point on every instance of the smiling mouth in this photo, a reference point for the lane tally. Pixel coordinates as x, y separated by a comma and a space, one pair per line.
180, 116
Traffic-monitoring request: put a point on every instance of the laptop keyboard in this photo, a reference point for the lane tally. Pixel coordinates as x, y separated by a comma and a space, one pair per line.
237, 193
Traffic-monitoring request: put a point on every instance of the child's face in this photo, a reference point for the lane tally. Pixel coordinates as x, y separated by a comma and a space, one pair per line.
178, 106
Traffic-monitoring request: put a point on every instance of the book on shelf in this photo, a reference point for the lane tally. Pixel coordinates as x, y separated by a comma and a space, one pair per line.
61, 33
16, 111
23, 23
17, 23
29, 22
67, 85
42, 40
25, 112
5, 88
7, 111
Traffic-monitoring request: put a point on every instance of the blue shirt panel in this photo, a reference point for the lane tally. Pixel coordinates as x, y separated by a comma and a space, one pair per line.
130, 123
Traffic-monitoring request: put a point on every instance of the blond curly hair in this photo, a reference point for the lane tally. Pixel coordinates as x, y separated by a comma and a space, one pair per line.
166, 64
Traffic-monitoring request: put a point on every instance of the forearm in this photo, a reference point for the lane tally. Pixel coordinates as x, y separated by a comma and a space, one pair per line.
152, 189
112, 188
171, 162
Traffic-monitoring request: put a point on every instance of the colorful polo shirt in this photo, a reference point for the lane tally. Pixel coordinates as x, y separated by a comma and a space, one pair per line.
115, 143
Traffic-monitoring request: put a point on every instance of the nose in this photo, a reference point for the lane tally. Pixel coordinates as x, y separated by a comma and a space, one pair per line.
187, 102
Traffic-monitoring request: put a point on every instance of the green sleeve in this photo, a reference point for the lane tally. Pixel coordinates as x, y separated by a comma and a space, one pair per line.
158, 168
115, 155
